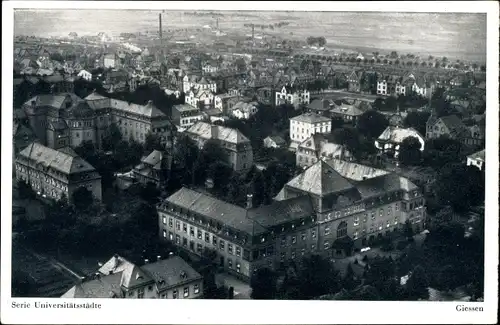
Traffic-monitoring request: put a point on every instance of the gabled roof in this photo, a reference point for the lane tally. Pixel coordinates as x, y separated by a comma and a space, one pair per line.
320, 179
153, 159
354, 171
277, 139
104, 286
453, 123
170, 272
383, 184
397, 134
222, 133
65, 161
320, 105
313, 142
55, 101
132, 275
480, 155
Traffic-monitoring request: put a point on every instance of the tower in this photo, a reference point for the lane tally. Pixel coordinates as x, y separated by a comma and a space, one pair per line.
160, 31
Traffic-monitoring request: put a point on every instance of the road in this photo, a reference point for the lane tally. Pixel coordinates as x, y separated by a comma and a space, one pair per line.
337, 94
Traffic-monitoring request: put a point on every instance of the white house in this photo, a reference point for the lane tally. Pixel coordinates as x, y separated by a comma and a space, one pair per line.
477, 159
305, 125
392, 137
274, 142
200, 98
422, 87
84, 74
109, 61
195, 82
244, 111
292, 96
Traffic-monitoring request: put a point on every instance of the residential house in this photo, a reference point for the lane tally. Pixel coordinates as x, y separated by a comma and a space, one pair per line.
453, 127
237, 146
243, 110
390, 140
305, 125
200, 98
317, 147
423, 86
198, 83
56, 173
390, 85
477, 159
354, 81
84, 74
274, 142
321, 107
293, 96
153, 168
349, 110
184, 115
170, 278
109, 61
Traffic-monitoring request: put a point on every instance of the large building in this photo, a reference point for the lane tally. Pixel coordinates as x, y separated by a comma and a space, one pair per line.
237, 146
56, 173
185, 115
198, 83
170, 278
331, 208
305, 125
65, 119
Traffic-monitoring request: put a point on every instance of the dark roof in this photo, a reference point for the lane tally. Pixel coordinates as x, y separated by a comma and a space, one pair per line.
282, 211
171, 272
383, 184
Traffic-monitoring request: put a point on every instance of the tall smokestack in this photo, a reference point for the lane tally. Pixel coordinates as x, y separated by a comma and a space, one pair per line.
253, 32
161, 33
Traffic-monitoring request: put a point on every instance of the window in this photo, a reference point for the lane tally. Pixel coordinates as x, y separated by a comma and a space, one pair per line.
355, 235
396, 220
184, 241
381, 212
238, 267
186, 291
356, 221
313, 247
229, 263
380, 226
178, 225
238, 251
170, 222
164, 233
164, 296
196, 288
170, 235
388, 224
230, 248
191, 245
294, 239
191, 231
214, 240
150, 288
313, 233
373, 215
199, 248
327, 231
342, 229
396, 206
184, 227
303, 251
303, 236
326, 245
200, 235
140, 293
283, 241
282, 256
221, 246
177, 239
164, 220
207, 237
365, 217
389, 211
292, 256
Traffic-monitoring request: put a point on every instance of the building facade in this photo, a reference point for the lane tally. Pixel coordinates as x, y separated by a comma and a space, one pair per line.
235, 144
305, 125
56, 174
295, 97
390, 140
185, 116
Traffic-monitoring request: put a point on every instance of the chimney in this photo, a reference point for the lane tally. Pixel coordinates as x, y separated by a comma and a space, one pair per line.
249, 201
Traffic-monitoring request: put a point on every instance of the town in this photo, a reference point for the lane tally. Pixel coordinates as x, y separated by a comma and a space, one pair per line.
245, 163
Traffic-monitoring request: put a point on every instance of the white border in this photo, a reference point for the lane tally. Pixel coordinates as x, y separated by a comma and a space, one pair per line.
248, 312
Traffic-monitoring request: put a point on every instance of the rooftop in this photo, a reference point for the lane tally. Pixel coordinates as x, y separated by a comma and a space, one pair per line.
397, 134
310, 118
222, 133
170, 272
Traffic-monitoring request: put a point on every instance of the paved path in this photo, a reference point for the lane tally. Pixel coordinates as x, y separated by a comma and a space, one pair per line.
242, 289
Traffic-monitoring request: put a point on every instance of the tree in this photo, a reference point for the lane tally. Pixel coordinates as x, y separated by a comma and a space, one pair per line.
82, 198
258, 188
337, 122
409, 151
442, 151
112, 138
152, 142
25, 191
317, 277
263, 284
408, 229
394, 55
417, 120
213, 152
417, 284
371, 123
